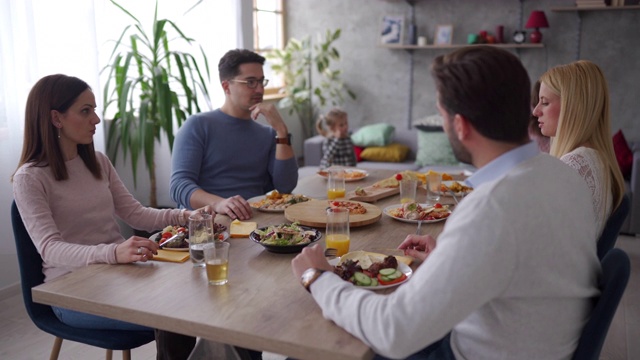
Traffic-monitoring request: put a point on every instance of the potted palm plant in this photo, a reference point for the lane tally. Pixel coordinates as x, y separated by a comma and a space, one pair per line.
297, 62
153, 89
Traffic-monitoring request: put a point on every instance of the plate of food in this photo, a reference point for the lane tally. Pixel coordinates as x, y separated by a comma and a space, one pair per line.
276, 202
371, 270
181, 242
350, 174
414, 212
457, 187
285, 238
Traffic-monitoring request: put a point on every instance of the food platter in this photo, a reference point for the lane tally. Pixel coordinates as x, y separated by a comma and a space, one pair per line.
314, 213
352, 174
225, 236
448, 185
389, 208
285, 249
401, 266
257, 199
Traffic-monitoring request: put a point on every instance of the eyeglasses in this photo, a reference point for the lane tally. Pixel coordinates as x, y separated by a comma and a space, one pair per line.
253, 83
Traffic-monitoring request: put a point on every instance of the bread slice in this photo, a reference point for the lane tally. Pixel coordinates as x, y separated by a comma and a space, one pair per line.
366, 258
240, 229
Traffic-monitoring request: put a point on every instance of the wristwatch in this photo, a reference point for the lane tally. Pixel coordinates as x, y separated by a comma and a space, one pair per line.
286, 141
309, 276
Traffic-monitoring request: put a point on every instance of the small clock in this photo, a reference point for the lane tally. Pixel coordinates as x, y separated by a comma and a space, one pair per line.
519, 36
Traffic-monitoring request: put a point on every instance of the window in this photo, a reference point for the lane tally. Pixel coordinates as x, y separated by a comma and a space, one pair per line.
268, 34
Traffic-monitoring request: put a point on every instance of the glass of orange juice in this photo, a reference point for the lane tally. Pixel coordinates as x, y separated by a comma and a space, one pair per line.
337, 235
335, 185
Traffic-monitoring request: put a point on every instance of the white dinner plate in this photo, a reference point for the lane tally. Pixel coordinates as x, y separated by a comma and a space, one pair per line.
393, 207
225, 236
448, 183
365, 173
401, 266
261, 197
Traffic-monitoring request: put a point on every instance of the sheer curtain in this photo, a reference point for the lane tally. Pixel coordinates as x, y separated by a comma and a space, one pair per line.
43, 37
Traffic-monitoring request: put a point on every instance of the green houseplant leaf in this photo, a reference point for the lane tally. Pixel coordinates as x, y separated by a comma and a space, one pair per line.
296, 63
152, 89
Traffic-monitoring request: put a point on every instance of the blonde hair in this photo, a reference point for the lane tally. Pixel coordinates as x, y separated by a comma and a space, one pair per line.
327, 122
584, 117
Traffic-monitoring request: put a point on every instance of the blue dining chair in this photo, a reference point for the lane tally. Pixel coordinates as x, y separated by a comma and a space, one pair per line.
612, 227
31, 275
616, 269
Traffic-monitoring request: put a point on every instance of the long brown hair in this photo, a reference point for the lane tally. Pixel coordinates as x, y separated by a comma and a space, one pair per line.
41, 146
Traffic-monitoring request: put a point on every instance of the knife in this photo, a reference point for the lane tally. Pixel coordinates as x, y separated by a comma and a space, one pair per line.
175, 238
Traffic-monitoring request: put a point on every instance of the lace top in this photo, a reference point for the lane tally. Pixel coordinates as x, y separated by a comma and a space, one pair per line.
590, 167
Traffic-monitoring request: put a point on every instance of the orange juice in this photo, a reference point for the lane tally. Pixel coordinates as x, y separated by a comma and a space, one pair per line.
336, 193
338, 241
407, 200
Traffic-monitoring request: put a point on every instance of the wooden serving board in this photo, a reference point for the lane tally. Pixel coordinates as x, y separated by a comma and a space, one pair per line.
314, 213
373, 194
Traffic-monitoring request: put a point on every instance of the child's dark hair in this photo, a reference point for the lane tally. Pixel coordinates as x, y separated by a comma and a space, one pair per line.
329, 120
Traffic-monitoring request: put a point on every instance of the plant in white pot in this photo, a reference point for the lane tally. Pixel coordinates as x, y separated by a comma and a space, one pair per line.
296, 62
153, 88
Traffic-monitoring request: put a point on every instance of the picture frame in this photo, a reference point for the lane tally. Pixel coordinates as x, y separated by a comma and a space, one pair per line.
392, 29
444, 35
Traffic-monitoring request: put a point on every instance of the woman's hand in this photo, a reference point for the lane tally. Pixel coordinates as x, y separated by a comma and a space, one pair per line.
418, 246
136, 248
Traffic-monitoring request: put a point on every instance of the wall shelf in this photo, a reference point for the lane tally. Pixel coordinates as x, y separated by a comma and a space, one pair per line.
456, 46
596, 8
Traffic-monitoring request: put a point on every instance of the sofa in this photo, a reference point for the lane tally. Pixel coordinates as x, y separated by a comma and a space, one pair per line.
312, 149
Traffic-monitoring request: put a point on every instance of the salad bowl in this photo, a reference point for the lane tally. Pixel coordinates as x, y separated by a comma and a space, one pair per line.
283, 238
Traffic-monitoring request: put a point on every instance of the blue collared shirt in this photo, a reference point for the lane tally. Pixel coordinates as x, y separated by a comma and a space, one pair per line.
502, 164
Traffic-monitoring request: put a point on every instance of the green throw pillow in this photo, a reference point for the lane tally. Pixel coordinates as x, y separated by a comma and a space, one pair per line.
373, 135
434, 149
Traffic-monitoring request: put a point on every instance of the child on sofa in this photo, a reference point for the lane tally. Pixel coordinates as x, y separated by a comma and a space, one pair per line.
337, 148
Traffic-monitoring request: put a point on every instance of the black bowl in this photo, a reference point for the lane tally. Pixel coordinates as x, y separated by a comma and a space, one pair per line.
285, 249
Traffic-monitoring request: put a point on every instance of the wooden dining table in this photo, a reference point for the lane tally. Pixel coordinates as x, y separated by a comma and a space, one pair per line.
263, 306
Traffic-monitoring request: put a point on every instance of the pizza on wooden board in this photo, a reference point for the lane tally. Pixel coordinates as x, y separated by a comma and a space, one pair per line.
354, 208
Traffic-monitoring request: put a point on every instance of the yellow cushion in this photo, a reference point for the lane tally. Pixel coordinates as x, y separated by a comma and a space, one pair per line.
391, 153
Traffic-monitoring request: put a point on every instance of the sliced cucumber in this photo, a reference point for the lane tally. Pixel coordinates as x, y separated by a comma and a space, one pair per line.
374, 282
396, 274
387, 272
362, 279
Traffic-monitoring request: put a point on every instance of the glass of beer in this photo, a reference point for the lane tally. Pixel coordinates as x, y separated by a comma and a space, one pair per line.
408, 190
216, 257
337, 235
335, 185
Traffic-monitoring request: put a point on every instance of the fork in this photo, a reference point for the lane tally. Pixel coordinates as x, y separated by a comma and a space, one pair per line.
419, 226
453, 195
330, 252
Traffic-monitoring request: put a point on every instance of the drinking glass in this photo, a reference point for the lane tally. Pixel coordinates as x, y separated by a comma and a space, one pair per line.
200, 234
337, 234
216, 257
408, 191
434, 180
335, 185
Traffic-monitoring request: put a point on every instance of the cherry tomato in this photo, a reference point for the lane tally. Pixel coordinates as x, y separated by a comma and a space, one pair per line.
398, 177
394, 281
181, 229
335, 203
166, 235
438, 206
220, 237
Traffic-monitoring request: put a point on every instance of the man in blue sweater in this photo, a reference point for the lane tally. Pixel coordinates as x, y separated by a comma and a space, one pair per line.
223, 157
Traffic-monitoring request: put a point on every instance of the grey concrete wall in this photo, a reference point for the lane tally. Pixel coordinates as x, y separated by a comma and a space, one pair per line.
380, 76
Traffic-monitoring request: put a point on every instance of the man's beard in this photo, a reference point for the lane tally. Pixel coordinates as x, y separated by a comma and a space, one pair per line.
459, 151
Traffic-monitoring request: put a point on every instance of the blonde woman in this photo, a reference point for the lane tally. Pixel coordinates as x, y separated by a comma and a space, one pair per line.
573, 110
337, 148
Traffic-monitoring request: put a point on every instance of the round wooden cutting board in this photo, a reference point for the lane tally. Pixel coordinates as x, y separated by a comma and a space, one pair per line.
314, 213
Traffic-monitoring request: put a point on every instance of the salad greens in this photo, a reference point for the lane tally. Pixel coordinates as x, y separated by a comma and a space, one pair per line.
285, 234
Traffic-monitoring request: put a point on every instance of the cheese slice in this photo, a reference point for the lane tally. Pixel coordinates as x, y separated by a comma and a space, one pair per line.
240, 229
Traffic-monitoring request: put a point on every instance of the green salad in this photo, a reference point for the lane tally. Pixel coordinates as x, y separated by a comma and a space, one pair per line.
285, 234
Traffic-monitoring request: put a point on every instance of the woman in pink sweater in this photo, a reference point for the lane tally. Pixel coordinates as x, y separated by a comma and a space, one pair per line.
69, 195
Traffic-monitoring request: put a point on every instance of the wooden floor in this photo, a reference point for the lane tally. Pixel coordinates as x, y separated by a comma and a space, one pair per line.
20, 339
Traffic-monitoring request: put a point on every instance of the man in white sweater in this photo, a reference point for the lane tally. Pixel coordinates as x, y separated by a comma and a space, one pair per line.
515, 268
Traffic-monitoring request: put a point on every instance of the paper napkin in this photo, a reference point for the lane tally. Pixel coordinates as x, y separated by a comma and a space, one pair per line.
172, 256
239, 229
